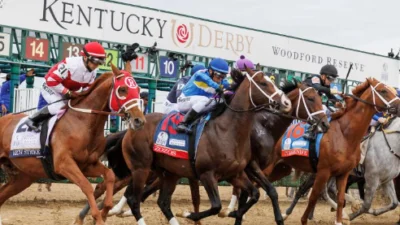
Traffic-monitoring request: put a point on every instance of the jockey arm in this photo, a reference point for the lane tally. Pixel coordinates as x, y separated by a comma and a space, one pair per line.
226, 83
207, 79
55, 78
90, 83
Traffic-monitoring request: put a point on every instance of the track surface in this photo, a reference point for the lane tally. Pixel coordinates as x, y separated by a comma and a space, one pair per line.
63, 203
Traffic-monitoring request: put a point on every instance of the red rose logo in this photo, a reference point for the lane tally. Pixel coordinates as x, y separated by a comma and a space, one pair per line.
182, 33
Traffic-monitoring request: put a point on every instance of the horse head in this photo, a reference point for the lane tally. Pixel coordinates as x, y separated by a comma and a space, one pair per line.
381, 96
125, 97
308, 105
262, 89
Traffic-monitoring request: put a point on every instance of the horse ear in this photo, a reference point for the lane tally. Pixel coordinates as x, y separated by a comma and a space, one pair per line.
128, 66
258, 66
248, 70
115, 70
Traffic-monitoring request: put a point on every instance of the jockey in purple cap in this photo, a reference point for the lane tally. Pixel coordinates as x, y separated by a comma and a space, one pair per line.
243, 61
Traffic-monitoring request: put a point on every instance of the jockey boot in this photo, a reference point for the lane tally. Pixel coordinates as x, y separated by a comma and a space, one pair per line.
311, 133
34, 120
190, 117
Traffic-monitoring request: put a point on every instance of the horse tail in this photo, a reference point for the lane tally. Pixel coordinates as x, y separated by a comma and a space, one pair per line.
115, 156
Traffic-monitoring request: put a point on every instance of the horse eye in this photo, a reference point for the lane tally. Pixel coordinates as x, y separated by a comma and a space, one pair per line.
311, 99
384, 91
263, 84
122, 90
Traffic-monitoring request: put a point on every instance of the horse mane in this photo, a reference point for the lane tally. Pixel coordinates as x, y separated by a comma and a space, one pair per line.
237, 78
97, 82
288, 86
349, 101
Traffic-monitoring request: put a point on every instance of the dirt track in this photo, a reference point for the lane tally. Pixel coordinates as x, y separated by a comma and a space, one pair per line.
65, 201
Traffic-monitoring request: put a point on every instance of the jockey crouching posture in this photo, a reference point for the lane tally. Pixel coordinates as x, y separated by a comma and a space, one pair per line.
64, 78
322, 83
176, 91
197, 94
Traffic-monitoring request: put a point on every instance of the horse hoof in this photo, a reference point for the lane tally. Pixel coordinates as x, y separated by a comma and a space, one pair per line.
284, 216
127, 213
355, 206
78, 221
114, 212
346, 221
183, 214
225, 212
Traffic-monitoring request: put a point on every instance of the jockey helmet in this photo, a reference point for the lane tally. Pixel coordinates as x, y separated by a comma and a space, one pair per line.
329, 70
243, 61
197, 68
144, 94
95, 52
219, 65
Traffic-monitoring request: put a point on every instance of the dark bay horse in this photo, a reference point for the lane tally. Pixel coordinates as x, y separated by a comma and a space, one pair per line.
340, 146
223, 152
268, 128
77, 139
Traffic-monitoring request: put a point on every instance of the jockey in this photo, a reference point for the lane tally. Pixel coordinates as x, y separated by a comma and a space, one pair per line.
322, 83
171, 102
197, 95
240, 64
64, 79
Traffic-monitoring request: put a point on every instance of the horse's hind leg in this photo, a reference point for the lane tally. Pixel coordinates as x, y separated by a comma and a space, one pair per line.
16, 184
388, 187
150, 189
304, 187
231, 207
370, 189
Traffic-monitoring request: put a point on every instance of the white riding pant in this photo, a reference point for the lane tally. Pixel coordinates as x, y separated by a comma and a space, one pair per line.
169, 107
51, 96
196, 102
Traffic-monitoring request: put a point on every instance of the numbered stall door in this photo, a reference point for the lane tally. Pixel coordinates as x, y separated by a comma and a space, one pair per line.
36, 49
5, 44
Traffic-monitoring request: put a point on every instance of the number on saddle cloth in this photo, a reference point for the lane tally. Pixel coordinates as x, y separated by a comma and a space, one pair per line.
179, 145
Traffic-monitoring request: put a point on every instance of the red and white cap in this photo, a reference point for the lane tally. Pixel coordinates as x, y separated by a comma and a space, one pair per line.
95, 52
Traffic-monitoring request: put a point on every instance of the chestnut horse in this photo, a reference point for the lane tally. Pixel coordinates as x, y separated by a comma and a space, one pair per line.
223, 152
77, 139
340, 146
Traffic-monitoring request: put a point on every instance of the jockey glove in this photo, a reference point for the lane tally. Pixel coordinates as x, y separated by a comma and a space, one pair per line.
71, 95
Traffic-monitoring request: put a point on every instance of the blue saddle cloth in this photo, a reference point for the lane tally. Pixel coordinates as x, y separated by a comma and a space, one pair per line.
169, 142
293, 142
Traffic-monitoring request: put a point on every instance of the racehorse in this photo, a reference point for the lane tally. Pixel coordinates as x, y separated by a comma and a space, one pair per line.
77, 140
340, 146
268, 128
223, 150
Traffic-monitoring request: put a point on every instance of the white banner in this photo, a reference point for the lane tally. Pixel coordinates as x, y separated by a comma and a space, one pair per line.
118, 22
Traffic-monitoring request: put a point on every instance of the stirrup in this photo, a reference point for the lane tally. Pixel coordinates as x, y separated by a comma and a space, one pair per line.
32, 125
183, 128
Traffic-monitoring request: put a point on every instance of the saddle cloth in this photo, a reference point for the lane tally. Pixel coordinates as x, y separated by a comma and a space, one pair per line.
293, 143
169, 142
25, 142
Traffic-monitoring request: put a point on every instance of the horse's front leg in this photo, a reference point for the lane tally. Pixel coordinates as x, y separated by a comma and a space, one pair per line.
96, 170
341, 186
67, 167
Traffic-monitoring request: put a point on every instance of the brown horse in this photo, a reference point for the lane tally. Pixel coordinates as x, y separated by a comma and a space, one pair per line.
268, 128
223, 152
77, 140
340, 146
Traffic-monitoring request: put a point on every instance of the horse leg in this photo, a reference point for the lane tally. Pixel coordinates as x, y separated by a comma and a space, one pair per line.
321, 178
255, 171
150, 189
371, 186
304, 187
243, 182
118, 185
388, 187
211, 186
68, 168
168, 185
139, 177
341, 187
194, 190
231, 207
14, 186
